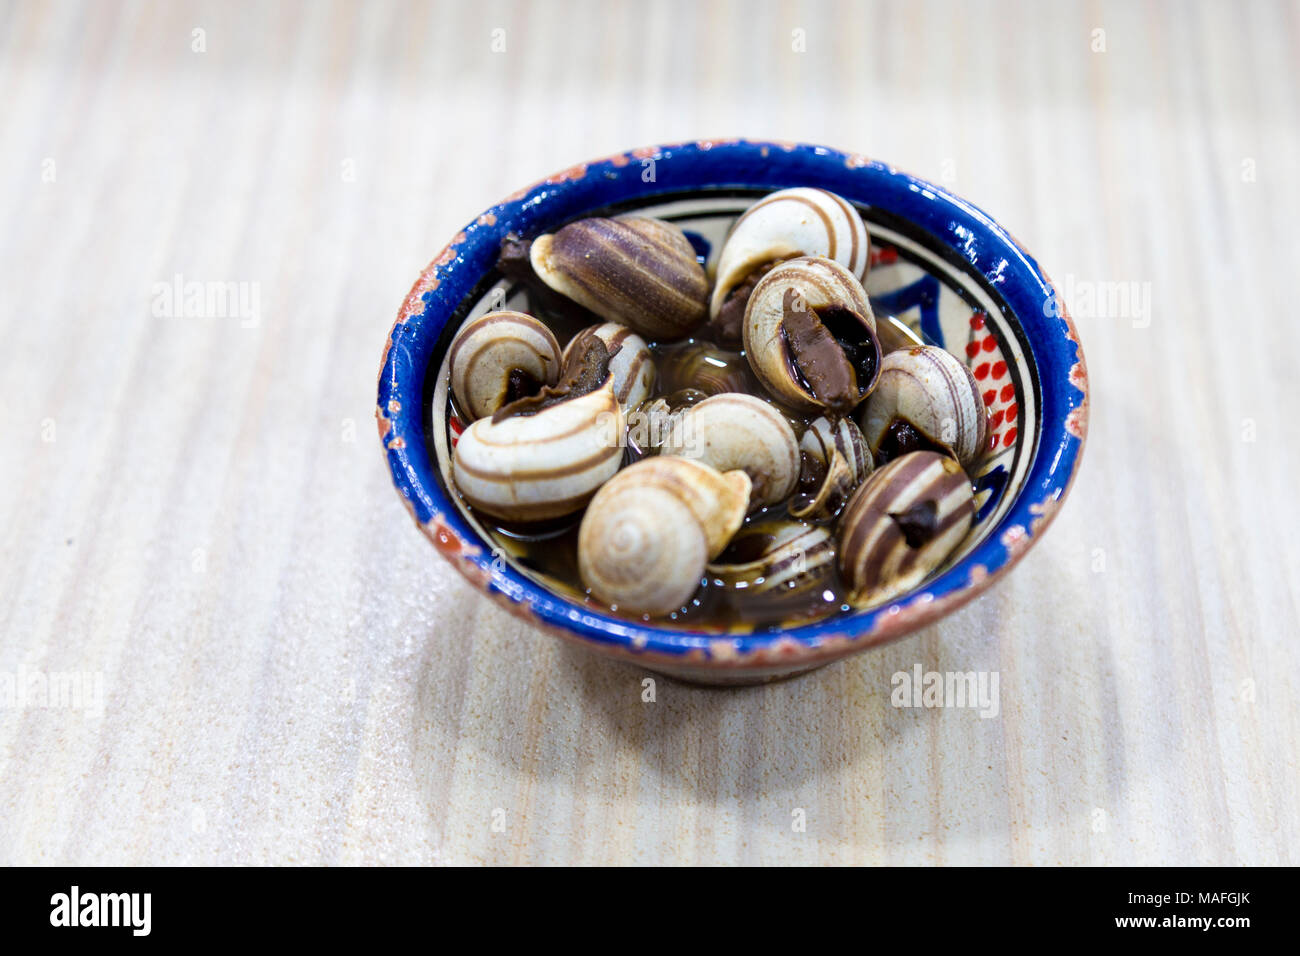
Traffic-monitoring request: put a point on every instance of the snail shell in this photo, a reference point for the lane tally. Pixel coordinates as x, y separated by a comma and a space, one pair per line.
786, 224
649, 425
788, 557
901, 524
499, 357
649, 531
810, 336
635, 271
632, 365
739, 431
543, 465
704, 367
835, 462
929, 391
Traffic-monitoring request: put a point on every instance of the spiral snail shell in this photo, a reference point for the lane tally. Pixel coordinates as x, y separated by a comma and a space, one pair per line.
636, 271
650, 530
835, 462
771, 561
810, 336
925, 398
786, 224
500, 357
545, 455
734, 430
901, 524
631, 364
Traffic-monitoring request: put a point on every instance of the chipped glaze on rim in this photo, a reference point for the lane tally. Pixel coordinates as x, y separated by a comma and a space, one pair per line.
991, 252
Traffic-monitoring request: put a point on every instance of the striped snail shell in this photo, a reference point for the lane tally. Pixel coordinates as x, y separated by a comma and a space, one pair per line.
633, 270
649, 531
771, 560
787, 224
835, 462
810, 336
545, 455
499, 357
739, 431
901, 524
631, 365
925, 399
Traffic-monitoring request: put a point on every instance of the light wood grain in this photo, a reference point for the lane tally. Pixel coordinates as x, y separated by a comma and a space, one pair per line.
199, 511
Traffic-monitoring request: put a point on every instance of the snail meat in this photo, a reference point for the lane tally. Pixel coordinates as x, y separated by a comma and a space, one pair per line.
499, 358
630, 362
727, 327
810, 336
544, 455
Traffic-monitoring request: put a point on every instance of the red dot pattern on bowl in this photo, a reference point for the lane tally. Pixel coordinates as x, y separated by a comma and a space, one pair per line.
984, 358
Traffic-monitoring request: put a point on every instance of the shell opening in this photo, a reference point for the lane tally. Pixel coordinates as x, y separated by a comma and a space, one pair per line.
901, 438
520, 384
812, 474
585, 370
919, 523
727, 326
823, 487
832, 352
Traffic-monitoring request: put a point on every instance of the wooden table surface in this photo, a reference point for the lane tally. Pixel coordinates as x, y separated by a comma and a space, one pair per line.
223, 641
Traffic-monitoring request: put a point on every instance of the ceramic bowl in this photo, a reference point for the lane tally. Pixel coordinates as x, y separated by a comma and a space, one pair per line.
939, 264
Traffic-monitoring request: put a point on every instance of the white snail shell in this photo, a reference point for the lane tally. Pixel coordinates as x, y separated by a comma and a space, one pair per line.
636, 271
786, 224
735, 430
488, 349
649, 531
837, 449
632, 366
930, 389
823, 295
901, 524
718, 500
544, 465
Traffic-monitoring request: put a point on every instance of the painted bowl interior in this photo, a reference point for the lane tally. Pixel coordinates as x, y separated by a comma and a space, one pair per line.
938, 266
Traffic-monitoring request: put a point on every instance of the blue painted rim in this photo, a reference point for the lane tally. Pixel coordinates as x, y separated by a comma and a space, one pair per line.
968, 232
